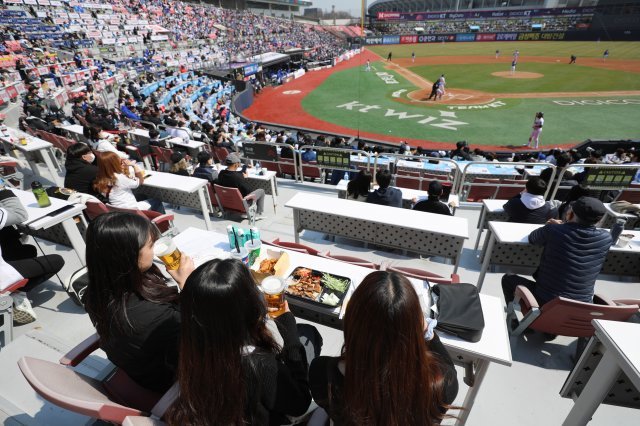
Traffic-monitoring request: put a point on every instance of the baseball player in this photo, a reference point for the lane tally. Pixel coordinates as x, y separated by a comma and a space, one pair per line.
605, 55
538, 122
389, 56
443, 83
516, 55
413, 57
513, 66
368, 67
497, 53
434, 91
573, 59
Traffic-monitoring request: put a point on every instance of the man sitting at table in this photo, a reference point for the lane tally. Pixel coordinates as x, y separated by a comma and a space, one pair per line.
433, 203
530, 206
233, 178
385, 195
572, 258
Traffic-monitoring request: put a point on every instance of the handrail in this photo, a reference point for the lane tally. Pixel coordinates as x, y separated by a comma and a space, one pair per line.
461, 183
455, 169
300, 150
278, 159
593, 166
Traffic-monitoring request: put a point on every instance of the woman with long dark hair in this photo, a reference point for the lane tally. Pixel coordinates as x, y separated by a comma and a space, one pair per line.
358, 188
134, 310
231, 370
388, 374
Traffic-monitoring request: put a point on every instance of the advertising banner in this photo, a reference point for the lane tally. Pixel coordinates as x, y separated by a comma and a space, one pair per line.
408, 39
486, 37
390, 39
465, 37
452, 15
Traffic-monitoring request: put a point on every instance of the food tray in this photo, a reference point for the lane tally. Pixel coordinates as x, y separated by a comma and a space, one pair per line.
295, 276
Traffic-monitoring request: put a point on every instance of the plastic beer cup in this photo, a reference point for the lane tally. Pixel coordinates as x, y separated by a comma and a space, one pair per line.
273, 289
165, 249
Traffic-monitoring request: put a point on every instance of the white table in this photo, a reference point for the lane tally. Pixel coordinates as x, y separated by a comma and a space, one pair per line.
39, 221
76, 131
621, 354
508, 244
408, 195
34, 144
180, 190
192, 146
491, 210
476, 357
425, 233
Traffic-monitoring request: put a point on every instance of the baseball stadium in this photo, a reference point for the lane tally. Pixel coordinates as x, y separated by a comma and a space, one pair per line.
485, 103
307, 212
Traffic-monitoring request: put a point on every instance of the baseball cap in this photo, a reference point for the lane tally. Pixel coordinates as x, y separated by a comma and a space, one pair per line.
232, 159
435, 188
588, 209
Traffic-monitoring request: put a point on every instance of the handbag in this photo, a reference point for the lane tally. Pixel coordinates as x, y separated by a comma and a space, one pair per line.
76, 285
459, 310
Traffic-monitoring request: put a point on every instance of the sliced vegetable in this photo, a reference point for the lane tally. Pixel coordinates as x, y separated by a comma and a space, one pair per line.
334, 283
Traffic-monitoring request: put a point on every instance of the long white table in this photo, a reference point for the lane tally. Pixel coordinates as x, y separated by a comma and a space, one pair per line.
33, 145
619, 342
75, 131
425, 233
475, 357
508, 245
39, 220
179, 190
408, 194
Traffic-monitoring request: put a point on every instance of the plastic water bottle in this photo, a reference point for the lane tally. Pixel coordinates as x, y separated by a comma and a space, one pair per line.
346, 175
258, 167
617, 229
41, 195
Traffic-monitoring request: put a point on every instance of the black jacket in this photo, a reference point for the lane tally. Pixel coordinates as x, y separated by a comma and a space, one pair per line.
433, 205
149, 355
386, 197
519, 213
277, 384
234, 180
572, 258
80, 175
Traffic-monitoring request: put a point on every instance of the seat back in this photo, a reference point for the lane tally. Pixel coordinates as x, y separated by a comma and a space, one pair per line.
567, 317
477, 193
162, 154
350, 259
95, 209
73, 391
631, 195
212, 195
230, 199
286, 167
506, 192
294, 247
221, 153
421, 274
311, 170
410, 180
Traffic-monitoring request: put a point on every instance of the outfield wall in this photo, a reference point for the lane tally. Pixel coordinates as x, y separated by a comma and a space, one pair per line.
620, 35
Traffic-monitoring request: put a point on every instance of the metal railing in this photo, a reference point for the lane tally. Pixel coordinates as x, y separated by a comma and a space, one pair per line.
615, 186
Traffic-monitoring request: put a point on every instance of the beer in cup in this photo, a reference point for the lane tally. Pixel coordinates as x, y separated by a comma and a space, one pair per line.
273, 289
165, 249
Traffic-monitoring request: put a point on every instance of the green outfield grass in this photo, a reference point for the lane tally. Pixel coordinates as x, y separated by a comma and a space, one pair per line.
564, 49
558, 77
508, 124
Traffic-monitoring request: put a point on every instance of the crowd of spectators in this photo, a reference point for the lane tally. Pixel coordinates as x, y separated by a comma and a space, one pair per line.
567, 23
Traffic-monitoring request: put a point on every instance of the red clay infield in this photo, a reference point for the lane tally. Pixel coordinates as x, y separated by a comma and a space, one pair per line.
274, 106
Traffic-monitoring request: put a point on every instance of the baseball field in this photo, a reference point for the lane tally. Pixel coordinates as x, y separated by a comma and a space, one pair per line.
484, 102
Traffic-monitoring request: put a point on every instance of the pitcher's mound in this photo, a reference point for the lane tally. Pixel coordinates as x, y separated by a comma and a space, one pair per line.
517, 74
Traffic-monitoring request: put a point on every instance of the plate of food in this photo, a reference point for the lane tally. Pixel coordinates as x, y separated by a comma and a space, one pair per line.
321, 288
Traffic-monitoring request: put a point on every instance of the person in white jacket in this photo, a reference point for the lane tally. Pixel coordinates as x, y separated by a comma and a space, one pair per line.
19, 261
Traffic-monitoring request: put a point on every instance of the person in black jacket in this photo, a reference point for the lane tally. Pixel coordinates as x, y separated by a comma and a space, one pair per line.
231, 177
573, 255
236, 365
393, 369
205, 169
433, 203
385, 195
136, 314
530, 206
81, 168
461, 153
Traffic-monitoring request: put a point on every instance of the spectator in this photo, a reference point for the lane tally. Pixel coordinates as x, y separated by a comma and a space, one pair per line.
99, 141
433, 204
358, 188
233, 178
81, 169
135, 312
572, 257
179, 165
205, 169
18, 260
116, 182
363, 385
309, 155
530, 206
232, 370
562, 161
385, 195
461, 153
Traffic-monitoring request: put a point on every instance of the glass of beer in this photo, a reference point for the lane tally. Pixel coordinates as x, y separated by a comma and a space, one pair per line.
273, 289
165, 249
